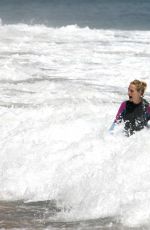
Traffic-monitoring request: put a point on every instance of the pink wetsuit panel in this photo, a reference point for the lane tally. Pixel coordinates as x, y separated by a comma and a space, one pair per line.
121, 109
148, 109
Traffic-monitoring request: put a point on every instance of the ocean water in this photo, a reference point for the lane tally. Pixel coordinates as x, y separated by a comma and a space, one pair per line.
118, 14
60, 89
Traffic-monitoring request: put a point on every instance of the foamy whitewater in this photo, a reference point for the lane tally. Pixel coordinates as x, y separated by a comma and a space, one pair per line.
60, 89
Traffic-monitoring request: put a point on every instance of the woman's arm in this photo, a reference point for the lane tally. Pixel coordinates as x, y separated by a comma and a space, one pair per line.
148, 116
118, 117
148, 112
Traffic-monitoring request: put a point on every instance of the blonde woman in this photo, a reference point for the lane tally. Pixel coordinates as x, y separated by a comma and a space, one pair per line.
135, 112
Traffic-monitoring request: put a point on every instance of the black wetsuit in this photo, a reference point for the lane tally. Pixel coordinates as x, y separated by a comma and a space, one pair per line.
135, 116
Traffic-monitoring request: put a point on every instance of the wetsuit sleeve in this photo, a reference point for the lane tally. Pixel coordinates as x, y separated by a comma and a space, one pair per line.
118, 118
120, 112
148, 112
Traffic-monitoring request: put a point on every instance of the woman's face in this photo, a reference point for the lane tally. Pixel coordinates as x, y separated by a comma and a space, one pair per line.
134, 95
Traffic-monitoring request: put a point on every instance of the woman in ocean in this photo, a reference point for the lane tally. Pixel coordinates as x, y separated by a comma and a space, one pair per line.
135, 112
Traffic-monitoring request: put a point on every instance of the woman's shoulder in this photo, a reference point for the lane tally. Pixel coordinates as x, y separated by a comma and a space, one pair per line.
145, 102
123, 104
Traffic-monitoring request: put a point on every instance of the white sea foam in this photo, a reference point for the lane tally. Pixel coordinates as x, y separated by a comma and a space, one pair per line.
60, 89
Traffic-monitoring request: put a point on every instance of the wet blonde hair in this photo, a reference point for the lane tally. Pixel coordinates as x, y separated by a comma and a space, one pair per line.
140, 86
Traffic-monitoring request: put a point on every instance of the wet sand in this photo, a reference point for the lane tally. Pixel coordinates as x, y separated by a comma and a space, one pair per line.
41, 215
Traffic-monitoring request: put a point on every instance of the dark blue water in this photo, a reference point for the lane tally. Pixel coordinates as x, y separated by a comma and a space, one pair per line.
107, 14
